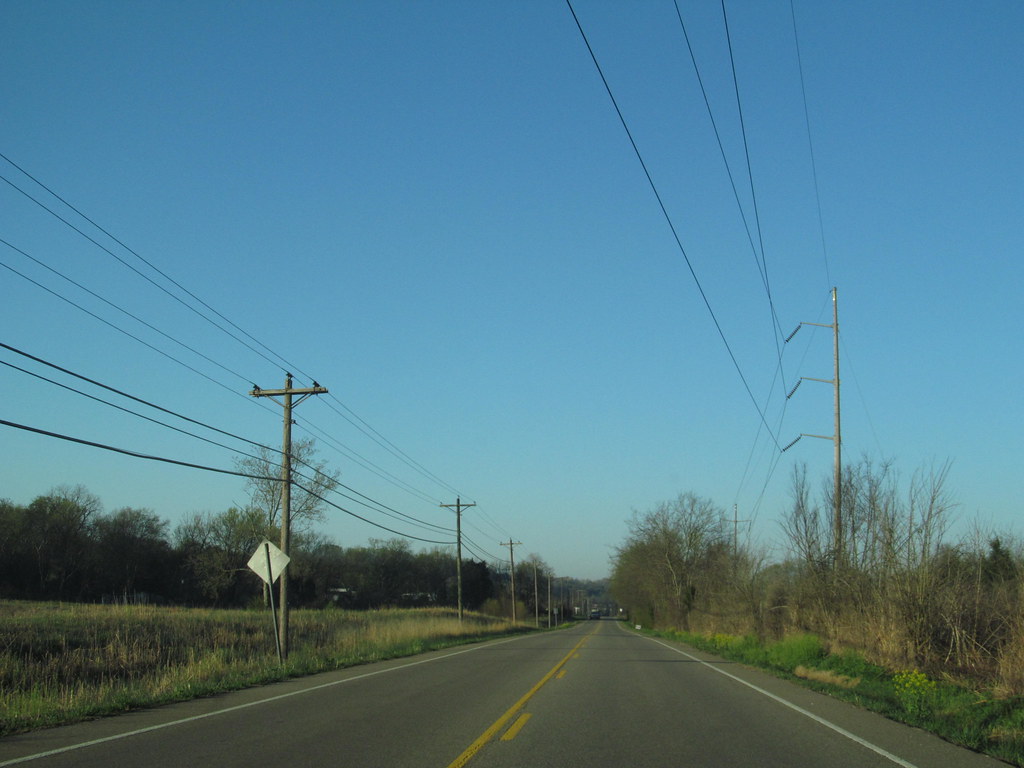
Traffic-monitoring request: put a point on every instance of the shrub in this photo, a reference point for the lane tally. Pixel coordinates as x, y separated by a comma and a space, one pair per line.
915, 692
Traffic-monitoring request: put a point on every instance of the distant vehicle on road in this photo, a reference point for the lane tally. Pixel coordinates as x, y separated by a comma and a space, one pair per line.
595, 614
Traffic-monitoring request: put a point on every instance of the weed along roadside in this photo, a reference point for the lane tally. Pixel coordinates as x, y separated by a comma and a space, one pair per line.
61, 663
976, 719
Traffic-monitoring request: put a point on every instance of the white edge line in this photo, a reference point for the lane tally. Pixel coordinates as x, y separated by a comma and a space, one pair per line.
820, 720
139, 731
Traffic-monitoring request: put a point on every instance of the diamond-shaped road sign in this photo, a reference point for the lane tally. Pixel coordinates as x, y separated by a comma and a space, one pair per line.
267, 554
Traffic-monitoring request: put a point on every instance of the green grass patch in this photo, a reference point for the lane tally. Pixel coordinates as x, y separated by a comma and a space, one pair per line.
970, 718
60, 663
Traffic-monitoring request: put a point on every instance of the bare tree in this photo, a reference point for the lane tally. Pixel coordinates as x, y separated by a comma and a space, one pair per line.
672, 554
312, 481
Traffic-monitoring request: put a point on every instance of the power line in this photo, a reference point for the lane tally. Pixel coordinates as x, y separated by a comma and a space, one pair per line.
860, 393
131, 412
483, 513
478, 548
479, 552
134, 454
138, 256
120, 330
114, 306
810, 145
750, 176
390, 447
138, 272
125, 394
668, 220
365, 520
381, 441
390, 511
191, 465
721, 145
165, 410
366, 463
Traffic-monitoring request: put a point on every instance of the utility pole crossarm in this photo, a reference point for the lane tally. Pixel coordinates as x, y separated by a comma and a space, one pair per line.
303, 391
512, 564
289, 403
459, 506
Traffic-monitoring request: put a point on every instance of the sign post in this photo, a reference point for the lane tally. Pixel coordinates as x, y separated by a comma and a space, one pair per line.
268, 562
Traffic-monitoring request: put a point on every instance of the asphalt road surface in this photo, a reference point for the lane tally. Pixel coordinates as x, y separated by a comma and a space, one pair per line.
596, 694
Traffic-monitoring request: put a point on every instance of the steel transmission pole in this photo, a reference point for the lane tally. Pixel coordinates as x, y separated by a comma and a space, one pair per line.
837, 437
459, 506
837, 493
286, 484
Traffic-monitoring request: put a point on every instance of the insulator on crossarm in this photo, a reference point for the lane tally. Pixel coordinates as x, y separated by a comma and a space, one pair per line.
793, 333
792, 444
794, 389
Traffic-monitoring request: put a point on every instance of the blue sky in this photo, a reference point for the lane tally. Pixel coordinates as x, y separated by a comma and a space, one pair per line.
433, 209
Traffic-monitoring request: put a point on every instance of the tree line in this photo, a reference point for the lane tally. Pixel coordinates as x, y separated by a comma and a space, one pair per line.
63, 546
894, 585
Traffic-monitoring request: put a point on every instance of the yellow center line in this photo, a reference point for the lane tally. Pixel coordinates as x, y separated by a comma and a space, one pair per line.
517, 726
500, 723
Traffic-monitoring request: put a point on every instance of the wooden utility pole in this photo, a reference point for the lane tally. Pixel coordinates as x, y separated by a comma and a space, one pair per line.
286, 483
536, 599
459, 506
549, 601
512, 561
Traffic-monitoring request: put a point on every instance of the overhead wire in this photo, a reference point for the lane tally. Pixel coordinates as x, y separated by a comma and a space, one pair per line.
721, 145
365, 520
777, 458
860, 392
130, 335
810, 146
122, 261
490, 520
479, 552
127, 452
125, 410
750, 175
122, 393
119, 308
478, 546
481, 515
365, 463
192, 465
759, 262
373, 434
379, 506
675, 233
393, 449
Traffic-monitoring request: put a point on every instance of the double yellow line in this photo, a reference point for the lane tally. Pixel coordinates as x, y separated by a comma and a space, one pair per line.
502, 721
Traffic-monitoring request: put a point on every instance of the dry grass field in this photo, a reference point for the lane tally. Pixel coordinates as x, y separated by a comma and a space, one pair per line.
65, 662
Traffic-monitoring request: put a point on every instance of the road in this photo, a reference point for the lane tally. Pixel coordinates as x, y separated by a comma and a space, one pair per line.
596, 694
